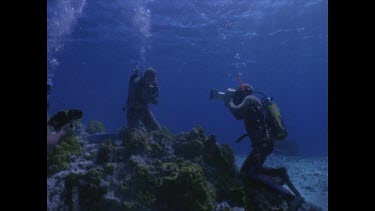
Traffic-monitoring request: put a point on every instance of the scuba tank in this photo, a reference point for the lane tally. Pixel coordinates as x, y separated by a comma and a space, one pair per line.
273, 118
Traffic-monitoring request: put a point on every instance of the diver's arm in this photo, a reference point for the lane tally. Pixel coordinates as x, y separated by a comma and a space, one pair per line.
54, 138
151, 95
150, 122
134, 75
132, 92
245, 105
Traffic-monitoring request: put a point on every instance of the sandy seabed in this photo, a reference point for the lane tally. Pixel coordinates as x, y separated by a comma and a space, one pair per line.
308, 174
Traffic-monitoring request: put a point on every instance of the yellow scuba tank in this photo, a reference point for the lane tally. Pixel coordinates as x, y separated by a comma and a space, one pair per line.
278, 129
273, 118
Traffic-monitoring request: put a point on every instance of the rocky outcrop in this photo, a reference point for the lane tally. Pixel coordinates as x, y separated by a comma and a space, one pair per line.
151, 171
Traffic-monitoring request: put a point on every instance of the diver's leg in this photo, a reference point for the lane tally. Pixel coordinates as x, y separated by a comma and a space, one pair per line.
281, 172
150, 122
245, 165
293, 201
274, 172
133, 116
290, 184
252, 168
254, 175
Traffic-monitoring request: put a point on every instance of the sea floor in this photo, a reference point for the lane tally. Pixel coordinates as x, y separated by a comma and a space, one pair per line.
308, 174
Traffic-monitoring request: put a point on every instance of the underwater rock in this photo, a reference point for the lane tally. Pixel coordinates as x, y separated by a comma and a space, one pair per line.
263, 199
224, 206
189, 148
185, 187
221, 169
190, 145
89, 189
154, 170
59, 158
105, 152
136, 141
307, 206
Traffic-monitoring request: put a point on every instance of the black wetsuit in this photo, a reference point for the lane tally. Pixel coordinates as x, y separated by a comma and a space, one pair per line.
138, 111
250, 110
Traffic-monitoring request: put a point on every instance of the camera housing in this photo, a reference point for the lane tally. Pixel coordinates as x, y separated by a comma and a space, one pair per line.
220, 95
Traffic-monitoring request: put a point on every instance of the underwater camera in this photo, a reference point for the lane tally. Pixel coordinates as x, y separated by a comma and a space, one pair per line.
219, 95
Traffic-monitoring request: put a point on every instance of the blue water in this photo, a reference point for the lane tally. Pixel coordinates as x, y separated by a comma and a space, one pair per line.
280, 47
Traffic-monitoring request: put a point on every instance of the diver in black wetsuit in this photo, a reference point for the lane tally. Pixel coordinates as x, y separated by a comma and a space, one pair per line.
247, 107
143, 90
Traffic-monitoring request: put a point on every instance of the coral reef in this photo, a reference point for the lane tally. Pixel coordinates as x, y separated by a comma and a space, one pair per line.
105, 151
62, 154
155, 170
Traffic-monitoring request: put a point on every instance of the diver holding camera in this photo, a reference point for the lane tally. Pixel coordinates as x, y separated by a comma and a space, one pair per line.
264, 125
143, 90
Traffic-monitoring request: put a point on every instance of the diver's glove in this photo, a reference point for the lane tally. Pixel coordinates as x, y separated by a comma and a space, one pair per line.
227, 100
64, 117
134, 74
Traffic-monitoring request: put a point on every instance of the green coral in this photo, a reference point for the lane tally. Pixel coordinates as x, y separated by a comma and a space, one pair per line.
144, 176
87, 187
94, 176
186, 188
136, 140
109, 168
197, 133
169, 171
94, 127
130, 205
164, 135
189, 148
145, 199
188, 171
60, 156
190, 145
220, 159
105, 152
156, 149
168, 186
139, 190
220, 156
158, 140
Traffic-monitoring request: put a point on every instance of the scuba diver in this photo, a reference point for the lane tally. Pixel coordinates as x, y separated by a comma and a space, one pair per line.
60, 123
246, 106
143, 90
